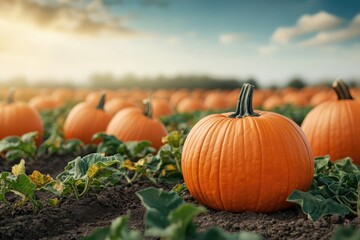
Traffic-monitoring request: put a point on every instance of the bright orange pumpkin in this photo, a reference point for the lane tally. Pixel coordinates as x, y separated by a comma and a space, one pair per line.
44, 102
333, 127
84, 120
216, 101
190, 104
117, 104
18, 118
161, 107
246, 161
132, 124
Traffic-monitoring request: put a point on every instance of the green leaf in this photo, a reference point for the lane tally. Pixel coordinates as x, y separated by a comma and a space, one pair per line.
317, 206
139, 149
159, 204
219, 234
117, 231
346, 233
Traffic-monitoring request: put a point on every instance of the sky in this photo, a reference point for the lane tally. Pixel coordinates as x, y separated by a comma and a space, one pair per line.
269, 40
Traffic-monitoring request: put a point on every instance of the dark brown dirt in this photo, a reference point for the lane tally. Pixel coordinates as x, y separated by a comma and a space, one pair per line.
73, 219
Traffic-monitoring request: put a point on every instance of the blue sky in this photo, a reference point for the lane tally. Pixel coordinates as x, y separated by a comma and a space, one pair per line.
271, 40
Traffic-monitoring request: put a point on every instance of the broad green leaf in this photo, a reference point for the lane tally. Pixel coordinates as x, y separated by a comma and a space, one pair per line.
219, 234
346, 233
23, 185
117, 231
159, 204
317, 206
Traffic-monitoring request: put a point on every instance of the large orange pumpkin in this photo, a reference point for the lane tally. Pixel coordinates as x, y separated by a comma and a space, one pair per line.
333, 127
132, 124
18, 118
84, 120
246, 161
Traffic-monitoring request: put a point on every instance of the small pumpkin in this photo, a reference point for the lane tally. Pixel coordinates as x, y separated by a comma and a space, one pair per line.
190, 104
116, 104
18, 118
216, 101
333, 127
84, 120
247, 160
42, 103
132, 124
161, 107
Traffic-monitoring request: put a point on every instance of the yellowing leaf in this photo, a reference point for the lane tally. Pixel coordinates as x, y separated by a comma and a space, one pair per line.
170, 167
40, 179
93, 169
18, 169
141, 162
129, 165
53, 202
58, 186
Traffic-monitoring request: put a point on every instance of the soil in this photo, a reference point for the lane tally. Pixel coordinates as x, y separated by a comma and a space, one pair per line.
73, 219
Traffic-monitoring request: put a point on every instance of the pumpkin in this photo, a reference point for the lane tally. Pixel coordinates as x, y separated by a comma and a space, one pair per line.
333, 127
161, 107
132, 124
216, 101
84, 120
273, 102
18, 118
246, 161
296, 99
117, 104
42, 103
190, 104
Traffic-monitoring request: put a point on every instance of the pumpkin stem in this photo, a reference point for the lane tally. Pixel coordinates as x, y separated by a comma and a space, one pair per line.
101, 104
342, 90
10, 96
244, 105
148, 108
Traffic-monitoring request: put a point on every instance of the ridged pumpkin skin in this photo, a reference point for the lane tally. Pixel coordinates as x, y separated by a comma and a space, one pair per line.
18, 118
83, 121
131, 124
252, 163
333, 128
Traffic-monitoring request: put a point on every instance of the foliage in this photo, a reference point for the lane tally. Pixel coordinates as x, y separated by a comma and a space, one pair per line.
19, 184
297, 114
346, 233
14, 148
82, 173
335, 189
168, 217
297, 83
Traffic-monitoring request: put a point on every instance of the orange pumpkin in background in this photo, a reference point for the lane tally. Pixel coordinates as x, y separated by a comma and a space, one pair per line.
333, 127
229, 159
84, 120
132, 124
161, 107
295, 99
190, 104
44, 102
116, 104
272, 102
216, 101
177, 97
18, 118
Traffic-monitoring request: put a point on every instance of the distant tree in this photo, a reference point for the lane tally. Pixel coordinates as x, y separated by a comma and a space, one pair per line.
297, 83
253, 82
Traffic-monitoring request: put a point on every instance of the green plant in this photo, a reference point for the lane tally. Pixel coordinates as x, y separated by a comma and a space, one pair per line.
335, 189
168, 217
14, 148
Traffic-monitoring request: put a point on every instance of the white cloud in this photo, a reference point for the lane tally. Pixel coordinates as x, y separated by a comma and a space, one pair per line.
228, 38
267, 50
306, 24
350, 32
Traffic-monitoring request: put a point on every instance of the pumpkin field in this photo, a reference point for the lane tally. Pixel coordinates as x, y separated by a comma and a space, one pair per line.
180, 163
